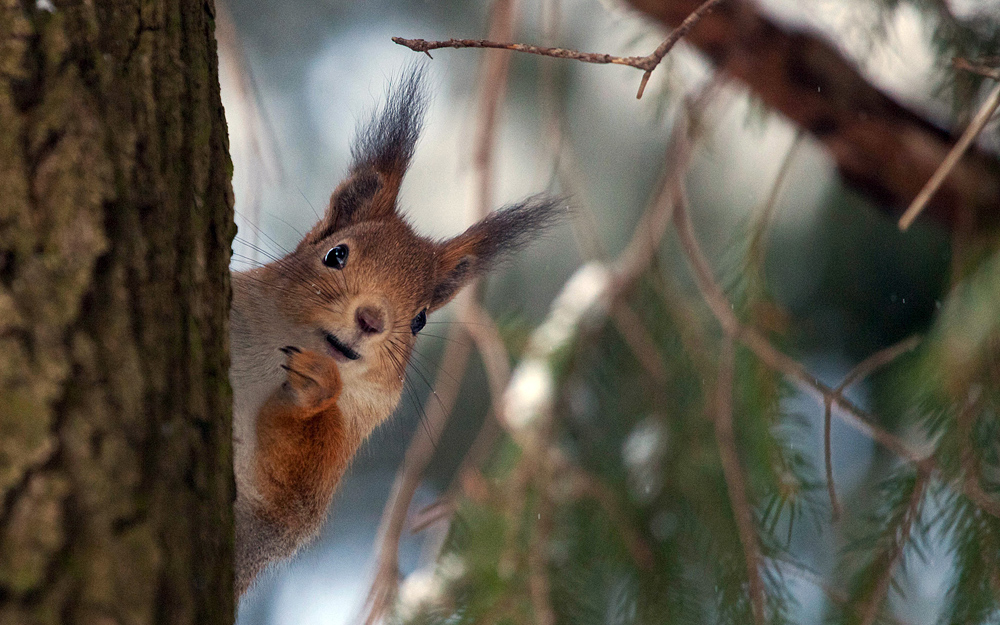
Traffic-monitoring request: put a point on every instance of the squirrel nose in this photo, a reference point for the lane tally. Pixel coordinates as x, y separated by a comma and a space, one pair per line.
370, 320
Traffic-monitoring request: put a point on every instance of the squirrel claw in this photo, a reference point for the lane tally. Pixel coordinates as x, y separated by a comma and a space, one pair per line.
312, 378
288, 350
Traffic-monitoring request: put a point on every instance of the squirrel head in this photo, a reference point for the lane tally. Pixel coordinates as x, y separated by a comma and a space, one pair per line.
363, 279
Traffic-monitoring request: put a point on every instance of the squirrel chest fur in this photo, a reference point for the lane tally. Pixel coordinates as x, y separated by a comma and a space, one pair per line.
320, 338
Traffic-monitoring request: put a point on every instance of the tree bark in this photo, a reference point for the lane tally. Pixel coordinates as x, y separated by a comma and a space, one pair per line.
115, 225
881, 148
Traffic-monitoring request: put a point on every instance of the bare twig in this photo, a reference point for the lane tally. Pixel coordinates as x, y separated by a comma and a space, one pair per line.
864, 369
984, 114
486, 335
422, 45
757, 250
266, 162
870, 612
980, 68
878, 360
646, 63
831, 487
418, 455
479, 325
492, 94
639, 341
539, 587
675, 36
733, 472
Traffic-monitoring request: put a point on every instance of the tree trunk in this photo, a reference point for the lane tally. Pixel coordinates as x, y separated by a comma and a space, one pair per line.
115, 224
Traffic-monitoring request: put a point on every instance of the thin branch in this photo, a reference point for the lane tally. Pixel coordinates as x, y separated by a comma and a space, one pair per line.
757, 250
733, 472
496, 360
976, 68
639, 341
851, 414
586, 298
489, 344
591, 486
865, 368
652, 226
878, 360
833, 594
831, 487
422, 45
870, 612
385, 585
646, 63
675, 36
539, 587
492, 94
967, 457
984, 114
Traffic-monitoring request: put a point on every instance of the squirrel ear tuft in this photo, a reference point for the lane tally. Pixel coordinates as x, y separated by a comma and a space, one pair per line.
382, 152
491, 242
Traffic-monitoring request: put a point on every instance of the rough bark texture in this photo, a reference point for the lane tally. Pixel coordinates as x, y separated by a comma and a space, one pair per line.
880, 148
115, 224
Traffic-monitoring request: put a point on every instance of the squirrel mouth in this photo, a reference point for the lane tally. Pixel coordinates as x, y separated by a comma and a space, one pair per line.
341, 347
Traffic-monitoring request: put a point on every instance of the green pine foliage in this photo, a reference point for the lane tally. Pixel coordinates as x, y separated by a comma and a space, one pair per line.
662, 545
624, 514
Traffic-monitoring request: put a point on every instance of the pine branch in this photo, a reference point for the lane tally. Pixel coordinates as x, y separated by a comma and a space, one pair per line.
881, 148
835, 595
723, 422
721, 308
894, 556
587, 485
967, 457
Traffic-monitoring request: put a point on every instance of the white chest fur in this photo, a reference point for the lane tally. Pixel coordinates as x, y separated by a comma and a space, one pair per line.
257, 333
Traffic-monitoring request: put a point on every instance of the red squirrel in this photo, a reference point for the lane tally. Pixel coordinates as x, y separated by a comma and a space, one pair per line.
320, 339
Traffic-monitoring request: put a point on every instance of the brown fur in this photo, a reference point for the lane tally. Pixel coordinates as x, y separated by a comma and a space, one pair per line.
303, 446
303, 405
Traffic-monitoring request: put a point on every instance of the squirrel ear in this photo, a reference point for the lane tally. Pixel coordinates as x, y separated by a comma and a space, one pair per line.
489, 243
382, 153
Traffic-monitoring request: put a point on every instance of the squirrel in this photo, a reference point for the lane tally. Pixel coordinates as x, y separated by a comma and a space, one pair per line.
320, 339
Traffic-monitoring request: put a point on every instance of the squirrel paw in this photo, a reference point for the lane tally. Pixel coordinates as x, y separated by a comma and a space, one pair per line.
313, 379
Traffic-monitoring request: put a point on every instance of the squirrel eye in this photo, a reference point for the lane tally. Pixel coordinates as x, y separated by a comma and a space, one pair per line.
336, 257
419, 321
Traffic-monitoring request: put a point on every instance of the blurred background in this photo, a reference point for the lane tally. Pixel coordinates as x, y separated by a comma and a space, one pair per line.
811, 258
